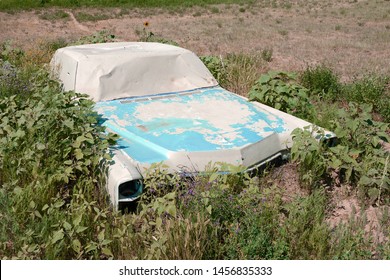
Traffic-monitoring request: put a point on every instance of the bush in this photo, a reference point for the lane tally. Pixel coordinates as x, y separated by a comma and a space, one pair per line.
322, 81
281, 91
358, 159
372, 90
53, 156
217, 67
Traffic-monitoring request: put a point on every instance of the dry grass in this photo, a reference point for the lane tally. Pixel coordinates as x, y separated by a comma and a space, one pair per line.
300, 34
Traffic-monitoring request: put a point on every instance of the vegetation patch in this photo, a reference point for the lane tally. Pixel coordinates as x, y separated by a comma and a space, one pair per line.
54, 155
281, 91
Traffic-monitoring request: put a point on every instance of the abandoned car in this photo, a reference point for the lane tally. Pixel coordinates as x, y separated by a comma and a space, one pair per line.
167, 107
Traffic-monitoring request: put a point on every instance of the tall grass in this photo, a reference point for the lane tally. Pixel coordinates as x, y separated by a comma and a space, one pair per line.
236, 72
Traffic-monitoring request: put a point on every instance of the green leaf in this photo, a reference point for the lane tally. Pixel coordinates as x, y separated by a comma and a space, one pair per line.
37, 214
365, 181
158, 222
32, 204
107, 252
101, 235
67, 226
90, 247
213, 177
373, 193
170, 195
80, 229
264, 79
57, 236
76, 221
78, 154
69, 123
59, 204
76, 245
106, 242
40, 146
335, 163
171, 210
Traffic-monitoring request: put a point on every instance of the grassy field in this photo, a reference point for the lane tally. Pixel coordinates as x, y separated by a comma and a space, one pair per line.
323, 203
31, 4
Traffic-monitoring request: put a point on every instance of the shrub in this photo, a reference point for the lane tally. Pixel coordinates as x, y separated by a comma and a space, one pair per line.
322, 81
217, 67
53, 156
358, 159
372, 90
281, 91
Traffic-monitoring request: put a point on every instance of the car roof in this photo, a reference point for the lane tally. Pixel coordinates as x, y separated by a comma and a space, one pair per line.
116, 70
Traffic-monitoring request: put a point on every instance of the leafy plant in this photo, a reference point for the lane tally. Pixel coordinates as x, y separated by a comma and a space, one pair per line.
358, 159
370, 90
217, 67
281, 91
322, 81
53, 157
311, 155
102, 36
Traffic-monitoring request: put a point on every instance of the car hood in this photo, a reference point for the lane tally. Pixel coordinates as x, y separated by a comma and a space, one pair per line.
194, 127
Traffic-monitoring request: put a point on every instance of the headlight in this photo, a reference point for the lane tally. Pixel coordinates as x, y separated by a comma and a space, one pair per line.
129, 191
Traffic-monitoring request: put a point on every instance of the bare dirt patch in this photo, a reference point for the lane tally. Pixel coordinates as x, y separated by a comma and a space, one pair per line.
286, 178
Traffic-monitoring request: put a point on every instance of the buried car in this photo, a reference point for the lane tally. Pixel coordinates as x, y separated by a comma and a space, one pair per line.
167, 107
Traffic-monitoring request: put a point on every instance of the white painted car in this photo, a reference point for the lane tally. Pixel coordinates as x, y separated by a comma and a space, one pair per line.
167, 107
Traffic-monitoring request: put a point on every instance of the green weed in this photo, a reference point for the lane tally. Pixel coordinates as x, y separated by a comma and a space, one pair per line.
281, 91
54, 15
372, 90
322, 81
53, 159
358, 159
103, 36
266, 54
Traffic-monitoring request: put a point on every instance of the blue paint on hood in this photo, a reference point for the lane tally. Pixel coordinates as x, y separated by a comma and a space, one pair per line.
208, 119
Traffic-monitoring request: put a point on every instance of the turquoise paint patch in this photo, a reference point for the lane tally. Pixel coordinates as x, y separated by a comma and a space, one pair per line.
151, 138
134, 148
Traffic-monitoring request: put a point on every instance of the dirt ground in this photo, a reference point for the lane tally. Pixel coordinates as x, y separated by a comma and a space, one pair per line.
352, 37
